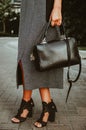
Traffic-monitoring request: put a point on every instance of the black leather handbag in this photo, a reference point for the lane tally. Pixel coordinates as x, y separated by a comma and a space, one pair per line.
57, 54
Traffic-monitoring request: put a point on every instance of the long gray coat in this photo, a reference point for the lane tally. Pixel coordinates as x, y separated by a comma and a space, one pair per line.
34, 14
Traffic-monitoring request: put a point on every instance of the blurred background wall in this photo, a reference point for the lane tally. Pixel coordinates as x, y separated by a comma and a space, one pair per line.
74, 18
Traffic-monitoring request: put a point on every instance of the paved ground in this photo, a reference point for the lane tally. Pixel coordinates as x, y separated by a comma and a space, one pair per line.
70, 116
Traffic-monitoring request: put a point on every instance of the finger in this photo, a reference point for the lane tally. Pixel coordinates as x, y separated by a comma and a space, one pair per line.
53, 23
58, 22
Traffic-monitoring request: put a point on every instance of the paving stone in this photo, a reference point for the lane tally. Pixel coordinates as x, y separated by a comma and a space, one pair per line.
79, 127
25, 128
4, 116
78, 122
70, 115
81, 111
8, 126
44, 128
27, 125
8, 129
59, 127
61, 119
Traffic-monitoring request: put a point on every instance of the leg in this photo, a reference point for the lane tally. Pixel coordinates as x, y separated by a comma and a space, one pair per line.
45, 95
49, 108
27, 95
25, 109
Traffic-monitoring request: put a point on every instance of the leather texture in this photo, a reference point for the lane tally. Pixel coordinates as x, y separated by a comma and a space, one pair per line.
57, 54
54, 54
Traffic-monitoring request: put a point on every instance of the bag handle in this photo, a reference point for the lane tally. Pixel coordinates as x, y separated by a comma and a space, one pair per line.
70, 81
47, 26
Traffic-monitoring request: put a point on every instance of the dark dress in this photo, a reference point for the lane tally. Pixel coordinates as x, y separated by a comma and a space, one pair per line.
34, 14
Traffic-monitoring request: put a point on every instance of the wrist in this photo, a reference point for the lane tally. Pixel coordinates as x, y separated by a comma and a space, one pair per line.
57, 7
57, 4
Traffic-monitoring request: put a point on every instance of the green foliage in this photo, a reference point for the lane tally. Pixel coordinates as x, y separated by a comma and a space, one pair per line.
5, 10
5, 7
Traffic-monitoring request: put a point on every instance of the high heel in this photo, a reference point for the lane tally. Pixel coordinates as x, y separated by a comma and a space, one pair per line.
24, 105
50, 108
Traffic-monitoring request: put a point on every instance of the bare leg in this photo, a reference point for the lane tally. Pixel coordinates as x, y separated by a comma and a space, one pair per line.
45, 94
26, 97
45, 97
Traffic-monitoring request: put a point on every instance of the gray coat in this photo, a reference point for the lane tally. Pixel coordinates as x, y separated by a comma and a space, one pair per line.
32, 21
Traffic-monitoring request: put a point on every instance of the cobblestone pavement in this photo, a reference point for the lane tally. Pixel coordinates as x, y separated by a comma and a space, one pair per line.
70, 116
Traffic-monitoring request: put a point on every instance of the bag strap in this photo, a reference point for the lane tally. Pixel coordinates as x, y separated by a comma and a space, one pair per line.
70, 81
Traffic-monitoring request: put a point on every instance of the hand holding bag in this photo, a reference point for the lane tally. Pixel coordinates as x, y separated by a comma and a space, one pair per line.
57, 54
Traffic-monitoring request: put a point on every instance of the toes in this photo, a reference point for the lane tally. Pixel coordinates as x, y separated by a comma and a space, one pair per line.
37, 124
15, 120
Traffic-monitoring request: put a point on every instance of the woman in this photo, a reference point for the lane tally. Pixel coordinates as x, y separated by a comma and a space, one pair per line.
34, 14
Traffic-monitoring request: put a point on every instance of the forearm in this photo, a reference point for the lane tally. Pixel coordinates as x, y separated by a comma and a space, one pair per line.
57, 3
56, 15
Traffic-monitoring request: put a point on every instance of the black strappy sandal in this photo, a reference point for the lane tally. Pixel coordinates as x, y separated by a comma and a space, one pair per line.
24, 105
51, 109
